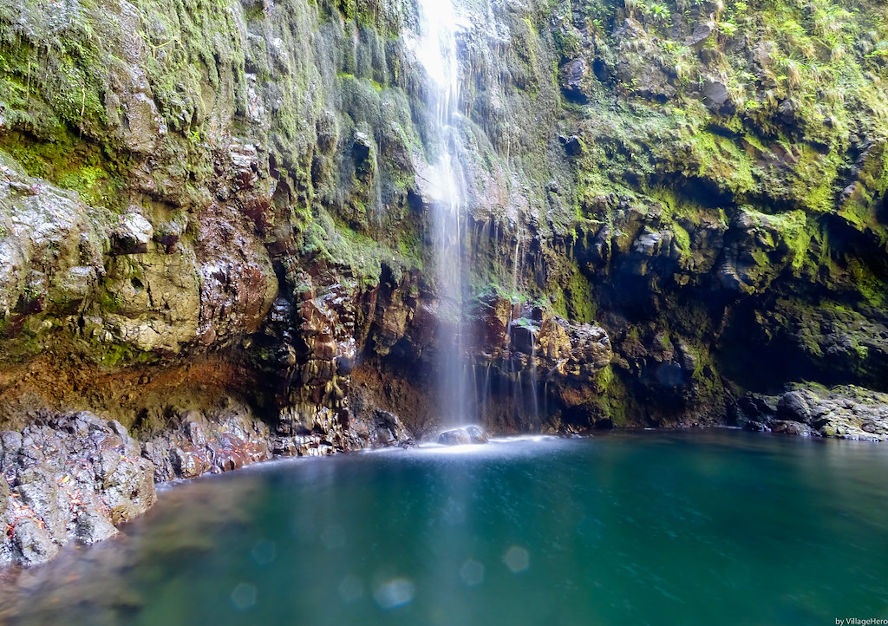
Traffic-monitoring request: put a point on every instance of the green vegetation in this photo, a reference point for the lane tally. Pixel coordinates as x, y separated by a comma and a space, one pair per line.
658, 163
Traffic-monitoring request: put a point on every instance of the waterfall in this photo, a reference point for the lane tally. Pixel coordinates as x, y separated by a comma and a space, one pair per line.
516, 263
436, 50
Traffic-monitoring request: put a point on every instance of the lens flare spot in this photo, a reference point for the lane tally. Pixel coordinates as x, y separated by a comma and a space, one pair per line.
517, 559
243, 596
472, 573
394, 593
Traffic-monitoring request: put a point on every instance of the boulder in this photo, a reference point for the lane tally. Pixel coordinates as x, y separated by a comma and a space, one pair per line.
794, 406
464, 435
387, 430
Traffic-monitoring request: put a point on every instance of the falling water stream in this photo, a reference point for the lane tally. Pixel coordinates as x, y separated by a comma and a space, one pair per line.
436, 51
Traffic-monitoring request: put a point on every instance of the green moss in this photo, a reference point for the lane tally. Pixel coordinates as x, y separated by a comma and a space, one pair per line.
54, 80
410, 246
72, 164
116, 355
575, 302
815, 185
334, 243
604, 379
108, 301
871, 288
682, 239
615, 401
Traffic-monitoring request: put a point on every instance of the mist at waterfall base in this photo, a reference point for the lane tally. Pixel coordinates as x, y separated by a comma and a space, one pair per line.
721, 527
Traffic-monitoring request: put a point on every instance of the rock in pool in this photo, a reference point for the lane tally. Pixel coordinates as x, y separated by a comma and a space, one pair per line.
463, 435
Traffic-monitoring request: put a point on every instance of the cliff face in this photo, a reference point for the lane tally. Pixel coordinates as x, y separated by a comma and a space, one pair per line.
215, 232
669, 205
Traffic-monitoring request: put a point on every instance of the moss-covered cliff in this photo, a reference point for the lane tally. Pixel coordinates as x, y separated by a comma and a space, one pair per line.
669, 205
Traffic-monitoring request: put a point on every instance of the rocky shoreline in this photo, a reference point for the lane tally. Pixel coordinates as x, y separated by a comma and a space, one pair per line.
75, 477
846, 412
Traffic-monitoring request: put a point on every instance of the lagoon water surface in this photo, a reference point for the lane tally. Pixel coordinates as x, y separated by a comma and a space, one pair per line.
716, 527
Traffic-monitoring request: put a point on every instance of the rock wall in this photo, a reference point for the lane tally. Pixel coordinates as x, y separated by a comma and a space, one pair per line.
669, 205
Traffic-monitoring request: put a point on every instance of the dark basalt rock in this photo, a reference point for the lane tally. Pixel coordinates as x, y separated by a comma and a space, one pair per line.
362, 147
794, 406
573, 146
196, 445
388, 430
701, 33
574, 74
715, 94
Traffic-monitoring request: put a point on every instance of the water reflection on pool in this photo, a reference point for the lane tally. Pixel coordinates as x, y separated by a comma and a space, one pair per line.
692, 528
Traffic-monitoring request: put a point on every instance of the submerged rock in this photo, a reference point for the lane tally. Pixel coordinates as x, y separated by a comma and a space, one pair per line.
464, 435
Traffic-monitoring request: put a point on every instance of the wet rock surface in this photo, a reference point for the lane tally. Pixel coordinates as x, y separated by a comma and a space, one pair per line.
199, 443
526, 347
845, 412
464, 435
68, 478
77, 477
271, 211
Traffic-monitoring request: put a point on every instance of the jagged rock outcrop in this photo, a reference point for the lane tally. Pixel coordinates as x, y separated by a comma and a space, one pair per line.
845, 412
76, 477
68, 478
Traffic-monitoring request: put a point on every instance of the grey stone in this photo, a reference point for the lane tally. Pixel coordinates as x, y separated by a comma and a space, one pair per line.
715, 93
794, 406
74, 477
462, 436
700, 34
132, 236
